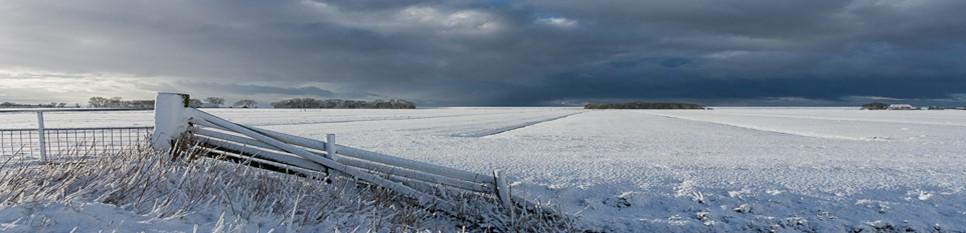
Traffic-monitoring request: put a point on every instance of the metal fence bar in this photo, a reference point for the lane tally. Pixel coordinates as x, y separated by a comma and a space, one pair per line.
73, 110
42, 138
56, 143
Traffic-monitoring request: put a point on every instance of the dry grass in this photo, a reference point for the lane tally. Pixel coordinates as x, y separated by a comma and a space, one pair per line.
171, 186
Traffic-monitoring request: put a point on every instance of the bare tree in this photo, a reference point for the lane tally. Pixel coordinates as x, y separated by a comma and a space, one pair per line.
195, 103
246, 104
215, 101
115, 102
98, 102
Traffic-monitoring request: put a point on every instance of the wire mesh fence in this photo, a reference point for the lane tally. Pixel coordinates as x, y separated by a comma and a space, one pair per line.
71, 143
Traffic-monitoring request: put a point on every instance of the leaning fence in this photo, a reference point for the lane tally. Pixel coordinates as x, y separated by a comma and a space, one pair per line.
316, 158
218, 137
53, 144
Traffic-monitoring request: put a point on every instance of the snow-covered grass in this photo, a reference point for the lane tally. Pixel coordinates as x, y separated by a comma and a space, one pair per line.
146, 191
728, 169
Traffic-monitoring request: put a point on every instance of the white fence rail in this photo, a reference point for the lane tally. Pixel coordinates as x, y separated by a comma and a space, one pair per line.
316, 158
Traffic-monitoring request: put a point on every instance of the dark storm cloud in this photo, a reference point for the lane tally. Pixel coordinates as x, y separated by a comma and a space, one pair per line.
200, 87
504, 52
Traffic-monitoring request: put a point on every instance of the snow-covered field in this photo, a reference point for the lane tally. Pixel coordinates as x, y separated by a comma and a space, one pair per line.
728, 169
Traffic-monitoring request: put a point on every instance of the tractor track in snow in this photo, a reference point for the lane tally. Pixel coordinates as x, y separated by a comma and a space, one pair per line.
496, 131
775, 131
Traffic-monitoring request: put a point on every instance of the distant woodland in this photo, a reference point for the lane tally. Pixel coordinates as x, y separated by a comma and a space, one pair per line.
218, 102
50, 105
118, 102
644, 105
340, 103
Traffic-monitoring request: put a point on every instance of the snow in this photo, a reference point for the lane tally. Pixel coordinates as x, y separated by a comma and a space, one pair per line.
728, 169
82, 217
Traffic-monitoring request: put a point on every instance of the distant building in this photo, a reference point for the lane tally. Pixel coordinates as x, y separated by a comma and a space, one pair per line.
901, 107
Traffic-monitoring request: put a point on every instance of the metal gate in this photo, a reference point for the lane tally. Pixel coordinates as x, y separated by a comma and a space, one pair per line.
45, 144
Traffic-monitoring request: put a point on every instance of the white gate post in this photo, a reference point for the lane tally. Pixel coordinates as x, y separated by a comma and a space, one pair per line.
170, 119
41, 137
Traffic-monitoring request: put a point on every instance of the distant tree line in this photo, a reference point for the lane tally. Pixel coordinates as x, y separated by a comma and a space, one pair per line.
644, 105
50, 105
118, 102
875, 106
217, 102
885, 106
245, 104
340, 103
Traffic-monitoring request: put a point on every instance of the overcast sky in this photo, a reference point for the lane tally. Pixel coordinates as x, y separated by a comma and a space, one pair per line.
448, 53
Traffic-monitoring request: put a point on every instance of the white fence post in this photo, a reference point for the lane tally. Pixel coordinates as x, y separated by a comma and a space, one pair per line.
503, 191
329, 145
329, 149
41, 137
170, 119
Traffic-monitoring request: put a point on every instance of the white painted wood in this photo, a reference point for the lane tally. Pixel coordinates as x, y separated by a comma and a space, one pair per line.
304, 171
503, 192
330, 146
414, 165
258, 148
361, 154
287, 158
211, 133
399, 170
422, 198
416, 175
170, 120
380, 158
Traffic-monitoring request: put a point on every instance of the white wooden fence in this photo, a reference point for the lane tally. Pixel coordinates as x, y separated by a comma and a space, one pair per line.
315, 158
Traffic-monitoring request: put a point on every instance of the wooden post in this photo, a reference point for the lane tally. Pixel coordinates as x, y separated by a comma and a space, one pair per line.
41, 137
503, 192
329, 150
170, 119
